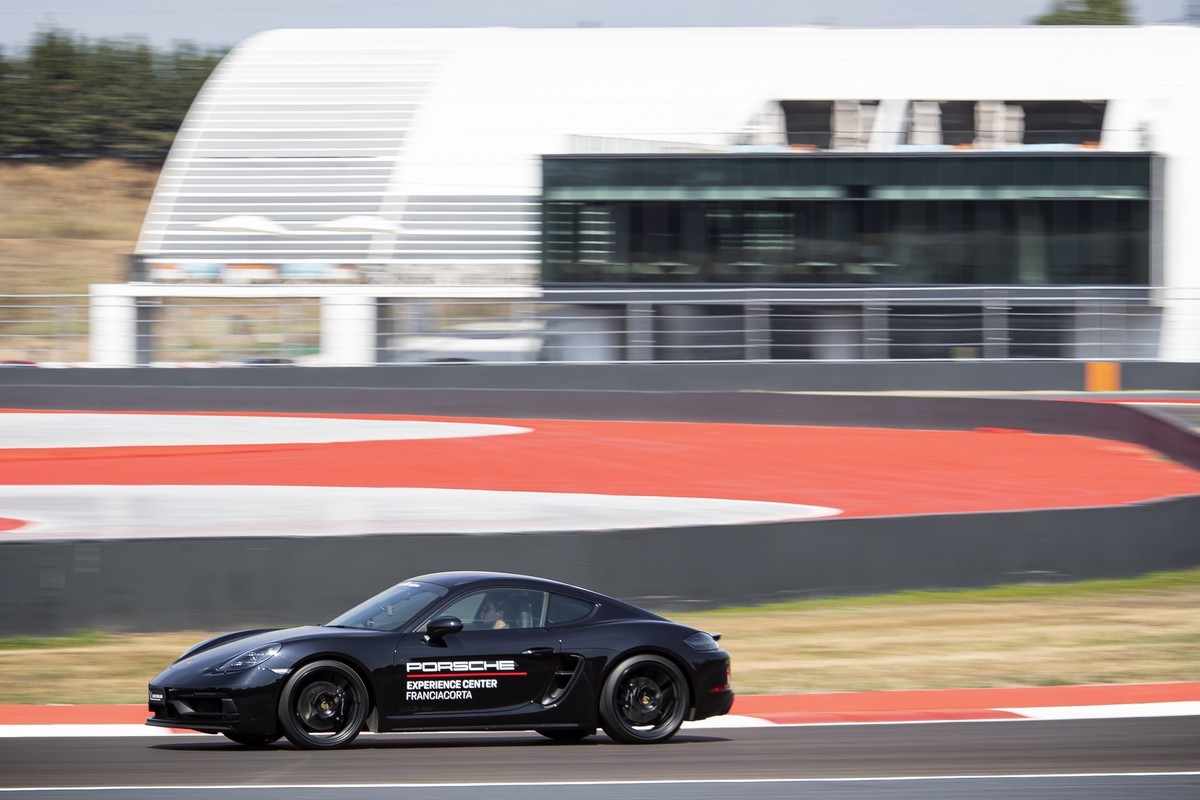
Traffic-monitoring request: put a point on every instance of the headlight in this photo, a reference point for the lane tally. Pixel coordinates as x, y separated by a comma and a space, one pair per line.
250, 658
703, 642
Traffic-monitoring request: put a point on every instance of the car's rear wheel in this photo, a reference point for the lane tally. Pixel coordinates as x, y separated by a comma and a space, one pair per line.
644, 700
250, 741
323, 706
565, 735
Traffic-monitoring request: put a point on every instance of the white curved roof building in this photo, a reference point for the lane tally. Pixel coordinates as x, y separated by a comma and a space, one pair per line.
422, 146
415, 156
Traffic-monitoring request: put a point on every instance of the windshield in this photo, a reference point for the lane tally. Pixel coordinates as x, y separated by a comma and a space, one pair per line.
392, 608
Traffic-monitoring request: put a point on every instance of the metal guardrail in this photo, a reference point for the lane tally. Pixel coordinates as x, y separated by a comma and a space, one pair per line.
614, 325
43, 329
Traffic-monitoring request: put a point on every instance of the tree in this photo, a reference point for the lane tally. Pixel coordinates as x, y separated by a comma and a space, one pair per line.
1087, 12
68, 97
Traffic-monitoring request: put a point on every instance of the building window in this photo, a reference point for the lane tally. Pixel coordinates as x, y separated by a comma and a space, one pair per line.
870, 219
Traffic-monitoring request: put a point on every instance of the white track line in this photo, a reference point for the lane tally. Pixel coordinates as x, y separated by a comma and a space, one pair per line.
1186, 708
1048, 713
668, 782
33, 430
54, 512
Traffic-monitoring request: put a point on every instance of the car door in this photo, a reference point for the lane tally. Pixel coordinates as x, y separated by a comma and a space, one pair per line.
480, 669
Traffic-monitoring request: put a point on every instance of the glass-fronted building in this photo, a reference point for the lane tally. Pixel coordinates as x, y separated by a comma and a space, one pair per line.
827, 255
961, 218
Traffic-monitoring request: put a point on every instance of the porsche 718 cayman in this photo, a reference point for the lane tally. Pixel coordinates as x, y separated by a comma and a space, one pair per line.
453, 651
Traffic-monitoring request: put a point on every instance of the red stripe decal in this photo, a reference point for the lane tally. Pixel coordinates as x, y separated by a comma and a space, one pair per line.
466, 674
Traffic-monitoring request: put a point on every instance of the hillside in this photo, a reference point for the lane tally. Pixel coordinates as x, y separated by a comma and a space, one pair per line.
66, 226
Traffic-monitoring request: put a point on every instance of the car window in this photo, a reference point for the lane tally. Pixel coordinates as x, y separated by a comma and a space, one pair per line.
465, 608
565, 609
498, 608
392, 608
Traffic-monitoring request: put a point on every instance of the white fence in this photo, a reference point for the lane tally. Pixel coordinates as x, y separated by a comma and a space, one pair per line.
605, 325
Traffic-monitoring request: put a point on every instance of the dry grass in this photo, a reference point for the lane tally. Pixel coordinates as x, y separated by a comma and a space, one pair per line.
114, 669
64, 227
1144, 631
68, 226
964, 644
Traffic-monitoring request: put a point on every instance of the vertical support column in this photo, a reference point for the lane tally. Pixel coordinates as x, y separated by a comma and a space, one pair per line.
758, 331
146, 311
639, 336
876, 336
139, 269
113, 328
386, 329
348, 326
995, 328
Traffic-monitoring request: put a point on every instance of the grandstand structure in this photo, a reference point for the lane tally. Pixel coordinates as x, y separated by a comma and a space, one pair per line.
808, 193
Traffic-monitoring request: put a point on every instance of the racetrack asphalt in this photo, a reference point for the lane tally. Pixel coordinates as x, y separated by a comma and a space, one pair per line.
1111, 758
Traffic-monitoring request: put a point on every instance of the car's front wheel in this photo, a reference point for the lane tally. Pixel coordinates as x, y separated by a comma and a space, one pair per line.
323, 706
644, 700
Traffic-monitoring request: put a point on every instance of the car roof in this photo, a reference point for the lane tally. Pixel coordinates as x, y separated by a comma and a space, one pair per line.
458, 579
466, 579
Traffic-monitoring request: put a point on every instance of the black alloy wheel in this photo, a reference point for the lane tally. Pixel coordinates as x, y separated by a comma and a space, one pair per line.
323, 706
250, 741
644, 700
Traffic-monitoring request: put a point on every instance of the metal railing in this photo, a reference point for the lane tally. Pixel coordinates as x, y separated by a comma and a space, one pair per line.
43, 329
612, 325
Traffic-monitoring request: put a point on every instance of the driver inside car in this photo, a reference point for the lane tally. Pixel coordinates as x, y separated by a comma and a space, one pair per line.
494, 613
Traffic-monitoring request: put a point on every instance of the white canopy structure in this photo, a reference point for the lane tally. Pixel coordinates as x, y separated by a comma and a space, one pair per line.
417, 151
440, 131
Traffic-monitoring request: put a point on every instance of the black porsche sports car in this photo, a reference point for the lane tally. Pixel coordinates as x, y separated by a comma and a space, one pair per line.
453, 651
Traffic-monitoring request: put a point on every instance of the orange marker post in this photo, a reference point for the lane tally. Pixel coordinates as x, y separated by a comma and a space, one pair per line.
1102, 376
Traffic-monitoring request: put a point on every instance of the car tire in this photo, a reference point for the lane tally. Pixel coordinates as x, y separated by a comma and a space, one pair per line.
323, 706
559, 735
250, 741
644, 700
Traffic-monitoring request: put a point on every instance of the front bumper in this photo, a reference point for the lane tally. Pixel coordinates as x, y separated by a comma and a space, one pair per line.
213, 710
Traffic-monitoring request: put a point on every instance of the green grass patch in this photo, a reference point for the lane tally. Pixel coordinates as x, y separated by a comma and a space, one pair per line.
80, 639
1150, 582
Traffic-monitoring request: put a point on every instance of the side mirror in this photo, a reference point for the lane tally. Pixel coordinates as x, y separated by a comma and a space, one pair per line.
440, 628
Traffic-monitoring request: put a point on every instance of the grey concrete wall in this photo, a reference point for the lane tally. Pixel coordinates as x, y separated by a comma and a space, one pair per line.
176, 584
1137, 375
230, 583
796, 376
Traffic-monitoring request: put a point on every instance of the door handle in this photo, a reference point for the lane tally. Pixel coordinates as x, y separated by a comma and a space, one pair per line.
538, 651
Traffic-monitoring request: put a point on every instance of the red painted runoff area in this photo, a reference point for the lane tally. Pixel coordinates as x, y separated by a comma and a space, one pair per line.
925, 704
863, 471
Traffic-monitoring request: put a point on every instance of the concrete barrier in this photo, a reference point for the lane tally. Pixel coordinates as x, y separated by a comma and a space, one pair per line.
166, 584
780, 376
215, 584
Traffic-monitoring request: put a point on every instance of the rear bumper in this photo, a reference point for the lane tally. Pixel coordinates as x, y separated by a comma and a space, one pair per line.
714, 704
